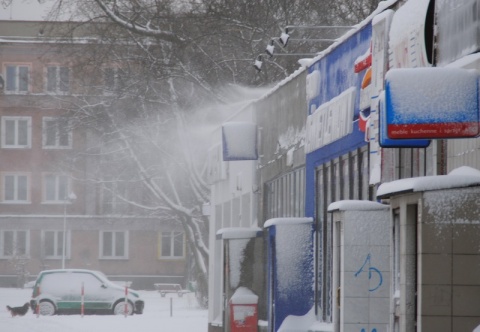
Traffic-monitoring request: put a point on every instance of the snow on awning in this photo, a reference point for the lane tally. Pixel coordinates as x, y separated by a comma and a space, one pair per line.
430, 103
239, 141
458, 178
356, 205
238, 233
287, 221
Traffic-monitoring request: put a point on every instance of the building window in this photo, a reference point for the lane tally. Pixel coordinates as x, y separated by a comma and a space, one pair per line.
16, 132
55, 187
285, 195
324, 240
14, 243
113, 79
15, 188
114, 244
58, 79
53, 244
172, 245
17, 77
57, 133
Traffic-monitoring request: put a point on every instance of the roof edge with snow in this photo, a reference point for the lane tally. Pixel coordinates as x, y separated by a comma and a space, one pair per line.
382, 6
356, 205
287, 221
461, 177
238, 233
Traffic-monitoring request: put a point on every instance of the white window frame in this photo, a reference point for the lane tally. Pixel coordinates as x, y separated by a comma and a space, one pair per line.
4, 254
58, 131
17, 120
58, 82
16, 83
171, 235
16, 189
112, 254
57, 244
58, 197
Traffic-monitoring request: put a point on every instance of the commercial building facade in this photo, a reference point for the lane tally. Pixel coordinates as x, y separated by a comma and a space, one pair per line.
332, 155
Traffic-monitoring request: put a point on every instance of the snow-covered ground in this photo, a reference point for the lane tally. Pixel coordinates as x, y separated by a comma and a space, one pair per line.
186, 316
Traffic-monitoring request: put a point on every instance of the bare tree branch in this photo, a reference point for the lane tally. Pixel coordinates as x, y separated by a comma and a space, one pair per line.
131, 25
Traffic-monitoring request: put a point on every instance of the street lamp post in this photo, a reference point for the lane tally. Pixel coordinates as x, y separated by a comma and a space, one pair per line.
71, 197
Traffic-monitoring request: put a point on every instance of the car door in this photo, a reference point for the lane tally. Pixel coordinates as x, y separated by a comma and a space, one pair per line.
98, 296
63, 288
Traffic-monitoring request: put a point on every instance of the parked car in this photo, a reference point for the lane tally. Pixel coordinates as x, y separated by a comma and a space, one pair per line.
60, 291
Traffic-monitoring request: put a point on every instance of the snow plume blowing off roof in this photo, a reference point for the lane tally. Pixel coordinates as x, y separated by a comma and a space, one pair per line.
204, 122
233, 98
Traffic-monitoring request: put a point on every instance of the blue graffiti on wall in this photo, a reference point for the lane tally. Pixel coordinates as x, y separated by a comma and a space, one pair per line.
371, 270
363, 330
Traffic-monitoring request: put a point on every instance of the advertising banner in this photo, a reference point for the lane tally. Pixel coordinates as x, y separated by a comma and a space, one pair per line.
431, 103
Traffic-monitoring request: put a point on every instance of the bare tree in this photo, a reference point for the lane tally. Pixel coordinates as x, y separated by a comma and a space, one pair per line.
216, 41
139, 147
19, 263
164, 58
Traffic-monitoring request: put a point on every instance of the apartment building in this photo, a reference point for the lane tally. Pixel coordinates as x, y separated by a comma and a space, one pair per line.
50, 217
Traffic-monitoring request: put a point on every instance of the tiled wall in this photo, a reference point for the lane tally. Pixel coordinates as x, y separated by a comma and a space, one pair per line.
364, 271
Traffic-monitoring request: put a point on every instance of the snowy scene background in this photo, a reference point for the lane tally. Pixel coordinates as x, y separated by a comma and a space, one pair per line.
186, 316
148, 126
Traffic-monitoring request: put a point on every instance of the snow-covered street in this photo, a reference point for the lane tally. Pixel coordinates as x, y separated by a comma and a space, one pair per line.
186, 316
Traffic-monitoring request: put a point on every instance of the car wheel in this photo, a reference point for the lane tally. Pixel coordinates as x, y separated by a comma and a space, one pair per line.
46, 308
119, 308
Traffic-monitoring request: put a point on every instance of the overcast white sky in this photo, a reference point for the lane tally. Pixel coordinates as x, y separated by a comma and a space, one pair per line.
25, 10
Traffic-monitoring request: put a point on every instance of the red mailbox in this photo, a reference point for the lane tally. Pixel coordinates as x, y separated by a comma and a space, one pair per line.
243, 311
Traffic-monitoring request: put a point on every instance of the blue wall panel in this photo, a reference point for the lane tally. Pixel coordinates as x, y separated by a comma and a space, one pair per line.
337, 75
